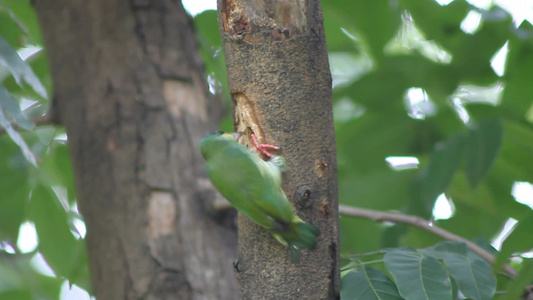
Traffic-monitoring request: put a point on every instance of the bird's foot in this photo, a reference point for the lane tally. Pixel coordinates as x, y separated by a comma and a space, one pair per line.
263, 147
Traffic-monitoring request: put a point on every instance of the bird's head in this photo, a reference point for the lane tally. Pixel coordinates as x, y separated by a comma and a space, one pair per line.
214, 141
233, 136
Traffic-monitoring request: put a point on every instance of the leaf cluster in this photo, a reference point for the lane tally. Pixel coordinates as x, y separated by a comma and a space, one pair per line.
438, 272
411, 81
36, 180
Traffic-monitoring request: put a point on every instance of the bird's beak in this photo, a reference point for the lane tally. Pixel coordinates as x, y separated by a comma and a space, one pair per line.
237, 135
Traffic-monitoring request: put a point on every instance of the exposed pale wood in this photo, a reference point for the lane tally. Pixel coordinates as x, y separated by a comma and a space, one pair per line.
279, 78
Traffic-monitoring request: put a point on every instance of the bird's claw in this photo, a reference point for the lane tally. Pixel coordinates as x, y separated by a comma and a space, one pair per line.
263, 147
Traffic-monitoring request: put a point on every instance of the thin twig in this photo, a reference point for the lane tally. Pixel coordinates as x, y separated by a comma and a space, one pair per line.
381, 216
38, 121
44, 119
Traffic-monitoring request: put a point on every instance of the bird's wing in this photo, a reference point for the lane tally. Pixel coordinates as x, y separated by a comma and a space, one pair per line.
239, 179
273, 200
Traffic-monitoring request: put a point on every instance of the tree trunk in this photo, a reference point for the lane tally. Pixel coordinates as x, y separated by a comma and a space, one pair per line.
130, 89
280, 83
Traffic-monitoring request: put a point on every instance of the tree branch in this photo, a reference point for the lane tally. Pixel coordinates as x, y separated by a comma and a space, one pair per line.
381, 216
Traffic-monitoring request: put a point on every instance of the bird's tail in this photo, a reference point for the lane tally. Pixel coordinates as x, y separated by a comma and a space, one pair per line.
308, 236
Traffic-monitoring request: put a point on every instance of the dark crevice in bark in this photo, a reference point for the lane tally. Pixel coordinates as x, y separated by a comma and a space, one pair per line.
279, 79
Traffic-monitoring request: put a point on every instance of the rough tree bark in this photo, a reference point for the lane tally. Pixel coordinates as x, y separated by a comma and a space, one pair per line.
279, 79
130, 89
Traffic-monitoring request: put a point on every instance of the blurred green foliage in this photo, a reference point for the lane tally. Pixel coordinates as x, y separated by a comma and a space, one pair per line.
464, 130
408, 82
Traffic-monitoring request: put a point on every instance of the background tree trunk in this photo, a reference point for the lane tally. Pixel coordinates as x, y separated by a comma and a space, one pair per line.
130, 89
280, 83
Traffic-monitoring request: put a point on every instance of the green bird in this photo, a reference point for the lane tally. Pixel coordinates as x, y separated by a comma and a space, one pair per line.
253, 187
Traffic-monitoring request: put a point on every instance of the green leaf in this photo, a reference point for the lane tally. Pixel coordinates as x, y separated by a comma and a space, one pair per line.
10, 29
56, 168
17, 139
365, 143
438, 80
206, 25
211, 50
384, 88
440, 250
473, 274
439, 23
11, 107
436, 177
338, 30
483, 144
442, 166
14, 190
515, 159
20, 70
18, 278
518, 241
516, 287
418, 276
368, 283
13, 201
62, 251
38, 62
379, 91
518, 92
473, 58
23, 12
376, 22
19, 294
9, 278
